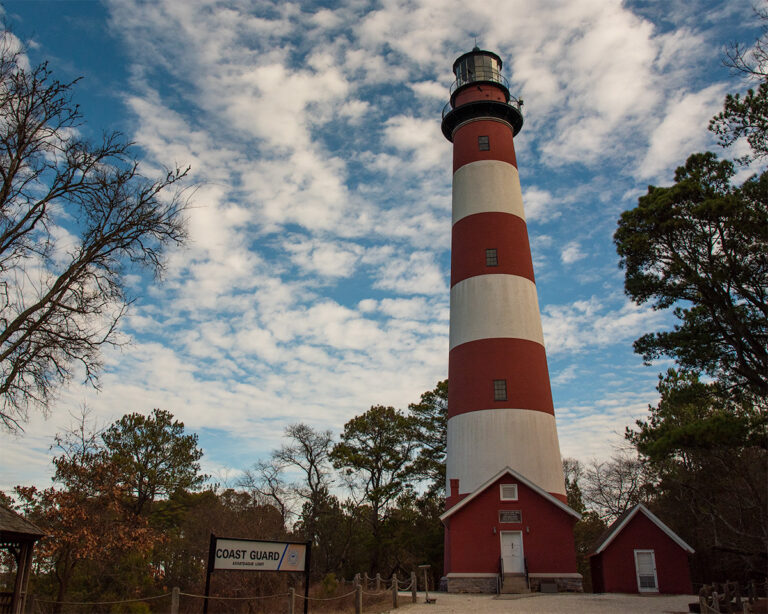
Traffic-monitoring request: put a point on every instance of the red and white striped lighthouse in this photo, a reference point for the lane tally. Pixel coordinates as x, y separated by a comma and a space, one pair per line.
501, 422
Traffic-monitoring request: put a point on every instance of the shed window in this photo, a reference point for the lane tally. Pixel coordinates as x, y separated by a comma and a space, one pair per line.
508, 493
483, 143
491, 257
499, 390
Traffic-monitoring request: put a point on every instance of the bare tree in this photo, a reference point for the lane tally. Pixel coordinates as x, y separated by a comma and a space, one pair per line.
308, 452
74, 218
612, 487
265, 482
750, 60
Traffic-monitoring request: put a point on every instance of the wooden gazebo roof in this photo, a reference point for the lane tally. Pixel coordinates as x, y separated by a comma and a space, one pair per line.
15, 528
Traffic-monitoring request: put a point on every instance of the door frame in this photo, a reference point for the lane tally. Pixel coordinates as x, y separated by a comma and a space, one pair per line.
522, 551
640, 589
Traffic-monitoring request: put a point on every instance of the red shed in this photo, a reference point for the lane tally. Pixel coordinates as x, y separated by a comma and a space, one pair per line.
640, 554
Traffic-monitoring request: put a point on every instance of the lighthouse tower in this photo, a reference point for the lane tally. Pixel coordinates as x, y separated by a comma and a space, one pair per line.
506, 522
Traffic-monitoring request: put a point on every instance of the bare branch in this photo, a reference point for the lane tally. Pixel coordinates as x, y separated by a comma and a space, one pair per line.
60, 306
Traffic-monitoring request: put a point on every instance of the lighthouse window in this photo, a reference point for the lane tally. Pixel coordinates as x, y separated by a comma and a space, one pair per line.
483, 143
509, 493
499, 390
491, 257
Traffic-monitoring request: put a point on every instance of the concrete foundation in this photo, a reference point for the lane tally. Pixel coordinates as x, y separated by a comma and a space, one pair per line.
472, 583
488, 583
566, 583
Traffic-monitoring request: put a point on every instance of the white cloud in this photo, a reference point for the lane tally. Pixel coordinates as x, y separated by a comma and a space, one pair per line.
570, 328
416, 274
572, 253
597, 431
681, 132
419, 140
324, 257
429, 89
539, 204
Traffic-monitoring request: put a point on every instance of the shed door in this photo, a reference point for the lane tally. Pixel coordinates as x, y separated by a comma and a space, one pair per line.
645, 566
512, 551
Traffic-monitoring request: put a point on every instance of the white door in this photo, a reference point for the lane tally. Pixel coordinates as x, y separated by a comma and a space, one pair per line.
512, 551
645, 566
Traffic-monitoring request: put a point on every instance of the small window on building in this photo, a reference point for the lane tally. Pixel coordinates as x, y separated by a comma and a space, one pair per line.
510, 516
483, 143
491, 257
509, 493
499, 390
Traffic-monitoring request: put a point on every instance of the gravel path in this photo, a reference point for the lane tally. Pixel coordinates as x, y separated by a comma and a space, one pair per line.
537, 603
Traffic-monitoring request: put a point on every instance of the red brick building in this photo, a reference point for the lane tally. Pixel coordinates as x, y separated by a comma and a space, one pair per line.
640, 554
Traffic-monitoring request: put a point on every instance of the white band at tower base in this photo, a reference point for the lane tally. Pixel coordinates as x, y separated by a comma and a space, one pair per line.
482, 443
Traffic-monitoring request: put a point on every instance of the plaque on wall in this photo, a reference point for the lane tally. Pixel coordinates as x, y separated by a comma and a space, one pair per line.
510, 516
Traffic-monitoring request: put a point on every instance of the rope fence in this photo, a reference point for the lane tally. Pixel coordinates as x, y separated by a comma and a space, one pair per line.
136, 600
234, 598
381, 586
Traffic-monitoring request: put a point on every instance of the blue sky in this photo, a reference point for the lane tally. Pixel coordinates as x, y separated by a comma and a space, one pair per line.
315, 281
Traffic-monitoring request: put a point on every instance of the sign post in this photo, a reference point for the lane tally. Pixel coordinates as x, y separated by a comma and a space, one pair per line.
232, 554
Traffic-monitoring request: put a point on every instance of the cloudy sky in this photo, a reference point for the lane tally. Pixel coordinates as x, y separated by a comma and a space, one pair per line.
315, 281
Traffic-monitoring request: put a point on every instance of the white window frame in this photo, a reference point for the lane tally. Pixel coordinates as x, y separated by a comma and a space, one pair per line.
641, 589
501, 492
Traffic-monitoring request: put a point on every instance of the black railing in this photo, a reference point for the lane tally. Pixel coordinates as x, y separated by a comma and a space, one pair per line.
500, 580
513, 102
525, 566
480, 74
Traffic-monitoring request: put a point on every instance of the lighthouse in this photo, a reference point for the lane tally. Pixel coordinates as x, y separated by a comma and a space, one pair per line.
507, 524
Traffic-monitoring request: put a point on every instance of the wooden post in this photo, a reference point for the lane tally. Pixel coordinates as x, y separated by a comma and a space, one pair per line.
413, 586
306, 577
209, 571
175, 600
358, 599
378, 582
394, 590
291, 596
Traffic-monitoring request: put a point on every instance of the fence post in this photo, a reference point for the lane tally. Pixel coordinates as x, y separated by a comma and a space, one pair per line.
413, 586
175, 600
394, 590
378, 582
291, 601
358, 599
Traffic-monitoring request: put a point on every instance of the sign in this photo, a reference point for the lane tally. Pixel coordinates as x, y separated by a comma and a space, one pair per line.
227, 554
249, 555
510, 516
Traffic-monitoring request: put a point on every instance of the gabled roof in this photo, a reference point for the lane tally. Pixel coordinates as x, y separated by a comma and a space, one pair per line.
519, 478
13, 525
602, 542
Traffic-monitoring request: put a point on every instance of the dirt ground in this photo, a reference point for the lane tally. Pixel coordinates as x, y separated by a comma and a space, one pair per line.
537, 603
